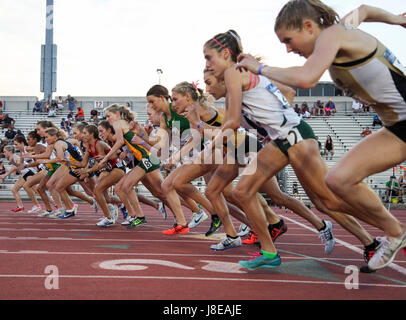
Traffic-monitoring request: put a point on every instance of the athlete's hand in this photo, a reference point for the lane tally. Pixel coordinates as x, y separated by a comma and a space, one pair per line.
136, 140
192, 114
247, 62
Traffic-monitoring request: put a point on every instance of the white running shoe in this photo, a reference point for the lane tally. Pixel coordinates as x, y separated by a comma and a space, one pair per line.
128, 221
387, 252
35, 209
198, 218
243, 230
327, 237
55, 214
105, 222
227, 243
44, 213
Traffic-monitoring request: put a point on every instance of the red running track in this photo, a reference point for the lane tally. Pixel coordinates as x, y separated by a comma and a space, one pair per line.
73, 259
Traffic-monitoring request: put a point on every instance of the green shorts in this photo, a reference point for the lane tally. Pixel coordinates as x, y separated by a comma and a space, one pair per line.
149, 163
55, 167
299, 133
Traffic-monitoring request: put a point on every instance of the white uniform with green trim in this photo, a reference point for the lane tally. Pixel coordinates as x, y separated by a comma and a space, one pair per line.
266, 106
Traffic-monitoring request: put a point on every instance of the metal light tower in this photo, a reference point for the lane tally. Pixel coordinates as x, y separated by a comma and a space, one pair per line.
48, 54
159, 71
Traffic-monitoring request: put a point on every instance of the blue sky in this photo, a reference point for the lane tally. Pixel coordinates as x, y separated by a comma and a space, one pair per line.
113, 47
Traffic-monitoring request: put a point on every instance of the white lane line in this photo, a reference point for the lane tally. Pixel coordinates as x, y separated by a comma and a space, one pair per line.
200, 279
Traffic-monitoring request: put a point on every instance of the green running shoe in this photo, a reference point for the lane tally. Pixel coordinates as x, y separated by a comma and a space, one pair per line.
137, 222
261, 262
214, 226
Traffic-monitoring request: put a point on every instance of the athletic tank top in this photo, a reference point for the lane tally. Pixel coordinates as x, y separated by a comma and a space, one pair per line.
94, 153
266, 107
138, 150
179, 121
27, 161
72, 153
217, 120
378, 79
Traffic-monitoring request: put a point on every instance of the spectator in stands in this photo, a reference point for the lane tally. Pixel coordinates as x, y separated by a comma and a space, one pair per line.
366, 132
366, 107
60, 103
54, 104
330, 104
1, 106
71, 102
392, 189
46, 104
37, 107
327, 110
320, 105
65, 126
306, 114
94, 116
304, 107
70, 118
329, 147
376, 121
7, 122
356, 106
10, 134
315, 109
80, 114
52, 112
297, 109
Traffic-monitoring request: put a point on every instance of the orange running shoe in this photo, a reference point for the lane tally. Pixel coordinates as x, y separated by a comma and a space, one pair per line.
252, 238
18, 209
176, 229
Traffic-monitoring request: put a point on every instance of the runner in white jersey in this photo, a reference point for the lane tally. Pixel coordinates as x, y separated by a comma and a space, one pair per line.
361, 65
294, 144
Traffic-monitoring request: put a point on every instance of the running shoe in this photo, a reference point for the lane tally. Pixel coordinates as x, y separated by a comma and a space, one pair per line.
44, 213
67, 214
214, 226
275, 232
369, 252
137, 222
226, 243
124, 211
197, 218
105, 222
35, 209
327, 237
128, 221
18, 209
252, 238
260, 261
243, 230
162, 209
387, 252
176, 230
